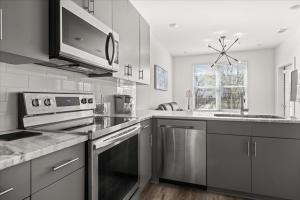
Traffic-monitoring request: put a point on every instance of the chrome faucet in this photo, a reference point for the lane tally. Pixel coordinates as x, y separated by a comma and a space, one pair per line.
242, 103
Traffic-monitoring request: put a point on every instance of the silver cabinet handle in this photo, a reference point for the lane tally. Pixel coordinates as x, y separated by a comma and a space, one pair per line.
65, 164
248, 148
182, 127
1, 24
6, 191
150, 140
255, 149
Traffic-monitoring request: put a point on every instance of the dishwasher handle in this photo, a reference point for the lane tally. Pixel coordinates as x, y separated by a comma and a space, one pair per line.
174, 126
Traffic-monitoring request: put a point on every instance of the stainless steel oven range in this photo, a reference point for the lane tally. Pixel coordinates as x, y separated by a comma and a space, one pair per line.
112, 145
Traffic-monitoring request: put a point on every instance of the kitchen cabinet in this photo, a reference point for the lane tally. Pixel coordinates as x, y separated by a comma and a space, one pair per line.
24, 31
70, 187
144, 71
15, 182
126, 24
275, 167
145, 149
103, 10
70, 159
257, 158
229, 162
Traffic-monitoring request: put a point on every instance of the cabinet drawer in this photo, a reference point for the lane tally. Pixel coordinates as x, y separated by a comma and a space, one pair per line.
277, 130
15, 182
231, 128
70, 187
50, 168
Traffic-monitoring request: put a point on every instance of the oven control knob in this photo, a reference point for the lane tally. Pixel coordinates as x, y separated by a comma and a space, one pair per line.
90, 100
36, 102
47, 102
83, 101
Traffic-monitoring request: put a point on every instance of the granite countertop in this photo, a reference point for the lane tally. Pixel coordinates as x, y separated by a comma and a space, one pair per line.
22, 150
196, 115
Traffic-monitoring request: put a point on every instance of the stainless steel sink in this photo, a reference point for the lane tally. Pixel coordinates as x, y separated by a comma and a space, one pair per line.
249, 116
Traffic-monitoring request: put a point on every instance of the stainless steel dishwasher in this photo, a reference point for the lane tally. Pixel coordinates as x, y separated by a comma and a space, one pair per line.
183, 151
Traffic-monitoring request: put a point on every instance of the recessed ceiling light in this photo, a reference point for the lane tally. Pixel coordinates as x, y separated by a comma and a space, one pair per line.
282, 30
173, 25
220, 32
295, 7
239, 34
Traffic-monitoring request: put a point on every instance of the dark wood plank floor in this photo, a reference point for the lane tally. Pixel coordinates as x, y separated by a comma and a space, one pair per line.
165, 191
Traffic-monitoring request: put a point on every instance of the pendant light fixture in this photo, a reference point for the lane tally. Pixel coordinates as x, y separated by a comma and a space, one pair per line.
224, 51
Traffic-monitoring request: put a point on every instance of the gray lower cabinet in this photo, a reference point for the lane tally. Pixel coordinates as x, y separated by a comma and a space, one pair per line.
53, 167
24, 33
68, 188
276, 167
145, 149
15, 182
229, 162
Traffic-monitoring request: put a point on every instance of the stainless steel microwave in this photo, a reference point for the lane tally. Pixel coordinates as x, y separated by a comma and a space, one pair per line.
80, 42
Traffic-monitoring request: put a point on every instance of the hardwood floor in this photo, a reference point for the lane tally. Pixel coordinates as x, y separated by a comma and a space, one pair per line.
164, 191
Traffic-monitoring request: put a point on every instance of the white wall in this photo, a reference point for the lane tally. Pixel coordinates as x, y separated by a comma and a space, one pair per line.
284, 54
260, 78
147, 96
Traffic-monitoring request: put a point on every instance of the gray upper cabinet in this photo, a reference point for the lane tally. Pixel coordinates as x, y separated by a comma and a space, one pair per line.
15, 182
103, 10
145, 148
229, 162
144, 73
126, 24
276, 167
24, 32
68, 188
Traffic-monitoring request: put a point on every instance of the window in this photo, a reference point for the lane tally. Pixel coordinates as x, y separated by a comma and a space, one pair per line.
219, 88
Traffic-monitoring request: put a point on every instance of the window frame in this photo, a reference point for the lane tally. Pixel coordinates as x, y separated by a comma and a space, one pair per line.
219, 89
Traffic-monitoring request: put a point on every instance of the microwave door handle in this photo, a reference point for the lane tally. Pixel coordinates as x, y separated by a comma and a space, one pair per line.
110, 60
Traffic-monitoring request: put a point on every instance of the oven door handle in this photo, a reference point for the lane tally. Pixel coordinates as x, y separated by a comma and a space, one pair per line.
116, 138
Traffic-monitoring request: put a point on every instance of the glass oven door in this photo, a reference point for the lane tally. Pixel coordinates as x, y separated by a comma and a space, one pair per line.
115, 169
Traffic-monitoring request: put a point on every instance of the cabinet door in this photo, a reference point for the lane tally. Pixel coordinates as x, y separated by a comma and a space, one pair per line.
276, 167
70, 187
103, 10
144, 76
145, 146
15, 182
24, 31
229, 162
126, 24
120, 26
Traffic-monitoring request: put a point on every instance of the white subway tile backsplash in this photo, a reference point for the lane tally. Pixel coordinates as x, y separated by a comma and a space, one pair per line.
2, 67
13, 80
3, 94
43, 83
87, 87
8, 122
69, 85
35, 78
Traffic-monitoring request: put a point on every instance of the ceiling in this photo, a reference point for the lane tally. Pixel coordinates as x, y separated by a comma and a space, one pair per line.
201, 22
